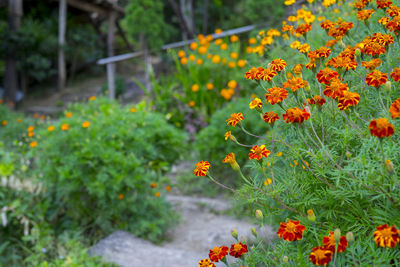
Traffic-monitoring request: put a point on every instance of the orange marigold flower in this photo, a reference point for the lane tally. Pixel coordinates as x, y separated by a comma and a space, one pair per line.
218, 253
255, 103
237, 250
121, 196
330, 242
395, 109
252, 74
33, 144
335, 88
317, 100
343, 62
295, 115
278, 64
376, 78
386, 236
321, 256
372, 64
365, 14
276, 95
323, 52
394, 24
383, 39
270, 117
383, 20
327, 24
68, 114
30, 134
168, 188
85, 124
324, 76
393, 11
311, 64
395, 74
65, 127
206, 263
291, 231
267, 74
153, 185
381, 127
257, 152
303, 28
374, 49
304, 48
201, 168
50, 128
230, 158
295, 84
157, 194
235, 118
31, 128
383, 3
348, 99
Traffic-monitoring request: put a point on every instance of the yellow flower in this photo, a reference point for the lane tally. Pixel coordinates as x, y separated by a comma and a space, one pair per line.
234, 55
218, 31
231, 64
50, 128
255, 103
218, 41
289, 2
267, 181
133, 110
295, 44
85, 124
252, 40
195, 87
234, 38
232, 84
279, 154
210, 86
192, 57
224, 46
241, 63
202, 50
199, 61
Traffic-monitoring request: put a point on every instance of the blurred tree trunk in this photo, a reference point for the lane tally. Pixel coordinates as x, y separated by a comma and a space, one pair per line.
187, 11
112, 16
186, 32
205, 16
62, 25
11, 75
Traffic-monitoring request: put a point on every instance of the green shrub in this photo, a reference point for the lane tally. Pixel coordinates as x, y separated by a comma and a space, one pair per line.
98, 178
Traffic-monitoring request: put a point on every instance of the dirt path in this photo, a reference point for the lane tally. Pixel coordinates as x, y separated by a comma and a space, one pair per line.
201, 228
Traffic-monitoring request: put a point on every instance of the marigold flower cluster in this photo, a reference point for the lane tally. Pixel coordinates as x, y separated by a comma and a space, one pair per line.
219, 254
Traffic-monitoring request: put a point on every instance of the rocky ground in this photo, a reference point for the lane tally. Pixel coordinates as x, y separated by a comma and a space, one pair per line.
202, 227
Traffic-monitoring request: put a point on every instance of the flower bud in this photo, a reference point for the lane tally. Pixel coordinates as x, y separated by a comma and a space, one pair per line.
311, 215
253, 231
358, 52
387, 86
337, 234
348, 154
234, 233
308, 88
389, 166
259, 214
285, 259
350, 237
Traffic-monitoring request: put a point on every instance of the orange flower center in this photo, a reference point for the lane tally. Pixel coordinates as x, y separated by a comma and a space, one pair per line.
319, 254
386, 233
291, 227
381, 123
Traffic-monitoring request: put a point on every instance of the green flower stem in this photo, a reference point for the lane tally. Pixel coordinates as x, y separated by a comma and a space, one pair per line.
224, 260
218, 183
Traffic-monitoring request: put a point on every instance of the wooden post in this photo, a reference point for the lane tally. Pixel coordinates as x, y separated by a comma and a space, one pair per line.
11, 74
110, 52
62, 26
